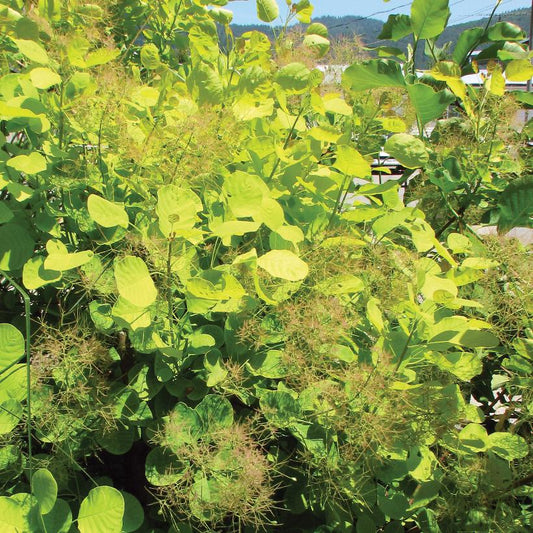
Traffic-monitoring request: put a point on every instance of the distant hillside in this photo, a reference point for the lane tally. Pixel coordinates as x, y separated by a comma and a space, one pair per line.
369, 29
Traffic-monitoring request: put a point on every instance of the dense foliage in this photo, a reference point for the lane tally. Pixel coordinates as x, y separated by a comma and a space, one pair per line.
207, 324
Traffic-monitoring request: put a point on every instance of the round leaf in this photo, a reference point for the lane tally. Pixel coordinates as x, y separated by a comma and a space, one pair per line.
133, 513
317, 44
284, 264
10, 415
102, 510
267, 10
29, 164
119, 440
16, 246
107, 214
162, 467
11, 516
280, 408
508, 446
150, 56
44, 488
134, 282
11, 345
293, 77
33, 51
35, 275
215, 412
184, 427
429, 17
59, 519
316, 28
44, 78
177, 209
408, 150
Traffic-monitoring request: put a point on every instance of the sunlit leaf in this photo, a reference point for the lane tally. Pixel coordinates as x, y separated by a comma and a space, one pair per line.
267, 10
284, 264
102, 510
134, 282
105, 213
429, 17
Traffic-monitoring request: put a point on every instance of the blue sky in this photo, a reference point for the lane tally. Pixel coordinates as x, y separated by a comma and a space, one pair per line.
462, 10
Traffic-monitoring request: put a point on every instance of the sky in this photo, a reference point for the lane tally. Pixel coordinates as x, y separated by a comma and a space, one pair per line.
462, 10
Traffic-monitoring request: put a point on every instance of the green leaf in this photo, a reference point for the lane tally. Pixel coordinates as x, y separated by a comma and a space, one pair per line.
293, 78
162, 467
129, 315
226, 230
11, 345
208, 84
365, 524
466, 43
340, 284
267, 10
284, 264
215, 412
44, 78
515, 204
317, 44
429, 17
304, 10
118, 440
479, 339
373, 74
524, 98
410, 151
102, 510
59, 519
519, 70
101, 57
474, 437
317, 28
508, 445
350, 162
134, 283
429, 105
12, 519
268, 365
428, 521
216, 373
133, 513
107, 214
397, 27
244, 192
270, 213
177, 209
222, 16
150, 56
44, 488
33, 51
505, 31
13, 382
393, 504
24, 28
374, 314
280, 408
463, 365
60, 260
10, 415
5, 213
184, 427
29, 164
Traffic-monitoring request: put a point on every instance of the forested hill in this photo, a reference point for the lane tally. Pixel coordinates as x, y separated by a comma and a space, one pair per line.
369, 29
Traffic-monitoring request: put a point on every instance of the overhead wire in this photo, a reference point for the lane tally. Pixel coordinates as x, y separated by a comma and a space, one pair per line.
391, 10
